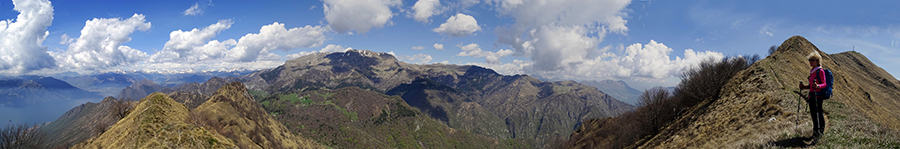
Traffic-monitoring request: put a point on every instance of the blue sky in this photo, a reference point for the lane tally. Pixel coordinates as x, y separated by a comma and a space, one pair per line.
645, 43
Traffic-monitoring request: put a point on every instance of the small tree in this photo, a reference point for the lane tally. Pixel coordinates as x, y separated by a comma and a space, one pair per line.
656, 109
119, 108
22, 136
772, 49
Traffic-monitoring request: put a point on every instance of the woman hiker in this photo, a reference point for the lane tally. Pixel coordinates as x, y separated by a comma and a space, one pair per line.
817, 83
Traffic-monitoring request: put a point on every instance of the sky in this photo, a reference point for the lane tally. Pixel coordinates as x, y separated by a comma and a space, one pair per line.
645, 43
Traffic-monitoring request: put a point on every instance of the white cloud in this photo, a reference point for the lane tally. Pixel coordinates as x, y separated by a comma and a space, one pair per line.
276, 37
65, 39
475, 51
766, 30
297, 55
189, 46
438, 46
266, 56
562, 32
460, 25
334, 48
424, 9
360, 15
516, 67
418, 47
100, 44
194, 10
647, 63
555, 47
418, 58
21, 39
195, 45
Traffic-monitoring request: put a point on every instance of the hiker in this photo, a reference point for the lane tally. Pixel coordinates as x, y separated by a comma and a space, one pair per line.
817, 85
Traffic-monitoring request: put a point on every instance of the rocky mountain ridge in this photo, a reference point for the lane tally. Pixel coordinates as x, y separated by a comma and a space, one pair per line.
231, 118
515, 106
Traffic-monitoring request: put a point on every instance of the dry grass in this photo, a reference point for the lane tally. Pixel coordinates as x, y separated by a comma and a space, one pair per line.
847, 128
758, 109
156, 122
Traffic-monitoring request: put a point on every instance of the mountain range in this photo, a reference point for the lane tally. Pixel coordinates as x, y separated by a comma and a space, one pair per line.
353, 98
508, 107
617, 89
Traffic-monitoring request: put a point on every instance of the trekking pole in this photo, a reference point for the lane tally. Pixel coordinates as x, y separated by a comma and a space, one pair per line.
799, 98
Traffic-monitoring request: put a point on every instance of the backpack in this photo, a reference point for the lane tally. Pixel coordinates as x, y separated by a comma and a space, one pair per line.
829, 82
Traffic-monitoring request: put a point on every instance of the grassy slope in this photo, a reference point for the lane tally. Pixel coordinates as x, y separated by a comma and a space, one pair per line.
758, 108
354, 118
232, 112
157, 122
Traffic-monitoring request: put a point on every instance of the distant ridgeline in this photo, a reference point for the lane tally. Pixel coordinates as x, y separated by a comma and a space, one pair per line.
359, 97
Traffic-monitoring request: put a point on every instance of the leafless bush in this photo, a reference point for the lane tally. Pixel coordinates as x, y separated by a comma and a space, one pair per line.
656, 109
772, 49
706, 81
119, 108
101, 128
22, 136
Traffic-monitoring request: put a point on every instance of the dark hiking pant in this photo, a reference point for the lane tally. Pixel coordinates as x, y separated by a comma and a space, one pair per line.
816, 113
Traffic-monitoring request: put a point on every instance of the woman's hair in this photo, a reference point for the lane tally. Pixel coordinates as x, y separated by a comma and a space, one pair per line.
815, 56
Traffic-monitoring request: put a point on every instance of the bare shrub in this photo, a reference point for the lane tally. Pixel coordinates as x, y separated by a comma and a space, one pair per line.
119, 108
101, 128
706, 81
656, 109
22, 136
772, 49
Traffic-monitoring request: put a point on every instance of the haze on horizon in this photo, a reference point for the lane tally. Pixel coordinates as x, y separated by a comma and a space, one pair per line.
644, 43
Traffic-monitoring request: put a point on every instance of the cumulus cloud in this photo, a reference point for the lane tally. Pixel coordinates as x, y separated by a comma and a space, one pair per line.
438, 46
555, 47
334, 48
475, 51
65, 39
276, 37
359, 15
460, 25
21, 39
194, 10
643, 62
563, 32
100, 44
424, 9
516, 67
418, 47
418, 58
299, 54
195, 45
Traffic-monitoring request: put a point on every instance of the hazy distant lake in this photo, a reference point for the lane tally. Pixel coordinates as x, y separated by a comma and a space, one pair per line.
39, 113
